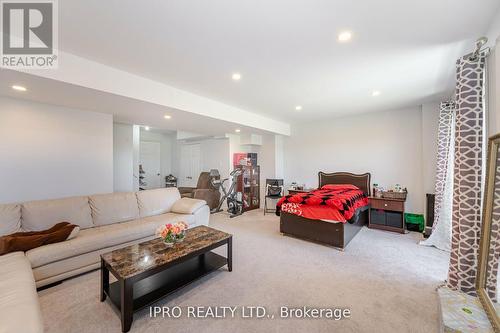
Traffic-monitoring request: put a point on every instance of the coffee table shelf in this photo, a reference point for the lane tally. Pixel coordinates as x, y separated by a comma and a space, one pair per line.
164, 283
149, 271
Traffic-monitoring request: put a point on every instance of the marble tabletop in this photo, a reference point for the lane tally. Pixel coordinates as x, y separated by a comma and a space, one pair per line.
462, 313
138, 258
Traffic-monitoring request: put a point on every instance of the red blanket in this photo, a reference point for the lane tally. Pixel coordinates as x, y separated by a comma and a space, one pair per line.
331, 202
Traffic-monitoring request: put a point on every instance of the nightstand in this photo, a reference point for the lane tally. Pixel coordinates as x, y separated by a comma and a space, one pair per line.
387, 214
305, 190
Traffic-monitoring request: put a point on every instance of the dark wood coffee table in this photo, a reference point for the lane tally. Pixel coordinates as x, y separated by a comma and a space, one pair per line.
149, 271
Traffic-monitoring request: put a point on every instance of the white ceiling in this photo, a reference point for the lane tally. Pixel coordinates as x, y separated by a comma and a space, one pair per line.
124, 110
286, 50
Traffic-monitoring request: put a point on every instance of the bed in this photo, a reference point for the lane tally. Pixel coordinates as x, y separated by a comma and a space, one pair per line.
336, 234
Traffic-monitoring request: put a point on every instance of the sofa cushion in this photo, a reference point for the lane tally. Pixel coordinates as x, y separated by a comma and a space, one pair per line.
43, 214
113, 208
10, 219
102, 237
187, 205
19, 307
66, 268
157, 201
163, 219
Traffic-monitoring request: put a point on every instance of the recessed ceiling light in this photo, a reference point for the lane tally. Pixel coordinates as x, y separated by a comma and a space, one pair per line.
167, 116
298, 107
375, 93
236, 76
344, 36
146, 128
237, 130
19, 88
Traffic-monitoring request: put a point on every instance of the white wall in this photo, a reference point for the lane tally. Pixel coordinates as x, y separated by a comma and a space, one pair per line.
234, 147
136, 129
48, 151
430, 122
494, 89
280, 156
386, 144
269, 158
124, 158
214, 155
494, 76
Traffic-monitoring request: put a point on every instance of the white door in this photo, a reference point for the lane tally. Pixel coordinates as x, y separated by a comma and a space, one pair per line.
195, 163
190, 165
149, 157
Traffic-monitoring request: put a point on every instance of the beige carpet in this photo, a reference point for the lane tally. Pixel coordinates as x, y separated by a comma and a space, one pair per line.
386, 279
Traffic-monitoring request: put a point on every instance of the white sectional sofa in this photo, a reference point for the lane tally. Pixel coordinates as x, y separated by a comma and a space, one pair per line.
19, 308
107, 222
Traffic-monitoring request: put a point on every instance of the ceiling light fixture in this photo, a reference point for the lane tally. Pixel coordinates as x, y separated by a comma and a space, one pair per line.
344, 36
375, 93
237, 130
236, 76
298, 107
146, 128
167, 116
19, 88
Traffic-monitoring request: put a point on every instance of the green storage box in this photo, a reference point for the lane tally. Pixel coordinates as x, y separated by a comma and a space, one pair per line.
415, 222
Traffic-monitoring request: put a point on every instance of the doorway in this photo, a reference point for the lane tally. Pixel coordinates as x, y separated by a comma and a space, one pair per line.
190, 165
150, 159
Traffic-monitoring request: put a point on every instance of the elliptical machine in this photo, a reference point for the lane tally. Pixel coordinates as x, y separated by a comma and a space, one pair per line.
233, 198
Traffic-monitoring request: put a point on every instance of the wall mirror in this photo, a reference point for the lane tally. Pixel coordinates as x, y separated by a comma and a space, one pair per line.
488, 280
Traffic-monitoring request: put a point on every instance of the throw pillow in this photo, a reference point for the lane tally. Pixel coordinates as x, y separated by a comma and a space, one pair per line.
24, 241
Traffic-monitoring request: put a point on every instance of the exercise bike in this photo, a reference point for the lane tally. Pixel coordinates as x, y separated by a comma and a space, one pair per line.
234, 199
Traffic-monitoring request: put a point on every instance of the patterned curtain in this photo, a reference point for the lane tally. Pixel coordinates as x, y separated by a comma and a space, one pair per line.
468, 168
441, 229
445, 133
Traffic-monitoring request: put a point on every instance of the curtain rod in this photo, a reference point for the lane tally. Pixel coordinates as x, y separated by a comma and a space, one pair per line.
480, 42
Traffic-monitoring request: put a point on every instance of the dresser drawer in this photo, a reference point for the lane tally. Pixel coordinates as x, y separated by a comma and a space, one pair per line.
377, 217
394, 219
397, 206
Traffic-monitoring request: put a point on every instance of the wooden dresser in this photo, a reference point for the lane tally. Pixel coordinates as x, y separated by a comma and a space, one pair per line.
387, 214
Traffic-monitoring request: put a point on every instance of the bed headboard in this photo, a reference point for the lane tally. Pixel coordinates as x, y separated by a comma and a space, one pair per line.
362, 181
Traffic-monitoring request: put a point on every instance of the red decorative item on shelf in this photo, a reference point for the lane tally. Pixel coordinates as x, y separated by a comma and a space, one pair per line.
248, 159
239, 159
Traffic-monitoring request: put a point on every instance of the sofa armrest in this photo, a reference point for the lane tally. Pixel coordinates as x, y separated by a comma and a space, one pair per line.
19, 306
212, 197
187, 206
183, 190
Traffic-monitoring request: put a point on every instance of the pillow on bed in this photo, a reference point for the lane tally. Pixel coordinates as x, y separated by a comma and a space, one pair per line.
339, 187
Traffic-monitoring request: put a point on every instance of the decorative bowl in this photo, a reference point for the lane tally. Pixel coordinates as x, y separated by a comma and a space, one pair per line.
168, 243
